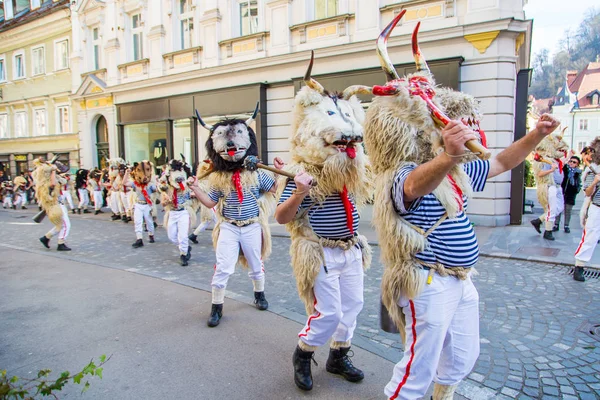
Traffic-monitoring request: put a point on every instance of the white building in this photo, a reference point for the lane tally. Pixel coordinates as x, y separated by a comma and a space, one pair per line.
140, 68
577, 106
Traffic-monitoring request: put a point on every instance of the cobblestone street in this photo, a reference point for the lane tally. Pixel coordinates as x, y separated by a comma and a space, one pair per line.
534, 317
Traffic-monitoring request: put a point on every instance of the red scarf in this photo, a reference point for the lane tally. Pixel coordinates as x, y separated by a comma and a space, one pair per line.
237, 183
182, 188
457, 191
560, 165
349, 209
145, 192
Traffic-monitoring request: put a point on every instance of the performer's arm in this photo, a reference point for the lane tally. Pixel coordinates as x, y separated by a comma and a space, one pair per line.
53, 179
286, 211
426, 177
514, 154
545, 172
200, 195
589, 191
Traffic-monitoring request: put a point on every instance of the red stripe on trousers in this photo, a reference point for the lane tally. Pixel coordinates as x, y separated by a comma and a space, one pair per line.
581, 243
412, 351
310, 319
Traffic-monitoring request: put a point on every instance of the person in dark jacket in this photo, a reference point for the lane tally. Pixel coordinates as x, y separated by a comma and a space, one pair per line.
571, 185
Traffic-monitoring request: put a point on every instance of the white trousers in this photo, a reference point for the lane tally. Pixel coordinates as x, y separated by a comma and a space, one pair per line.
116, 204
231, 239
556, 205
98, 199
203, 225
177, 229
68, 198
589, 238
84, 198
7, 202
141, 212
19, 200
442, 337
63, 232
125, 202
338, 294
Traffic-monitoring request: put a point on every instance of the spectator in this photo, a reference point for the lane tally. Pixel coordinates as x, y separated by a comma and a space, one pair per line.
3, 177
586, 156
29, 187
571, 185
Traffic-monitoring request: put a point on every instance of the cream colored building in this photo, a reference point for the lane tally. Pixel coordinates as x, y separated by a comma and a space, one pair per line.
35, 85
144, 66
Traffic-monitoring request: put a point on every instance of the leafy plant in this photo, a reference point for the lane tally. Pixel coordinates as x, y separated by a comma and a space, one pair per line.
28, 389
529, 179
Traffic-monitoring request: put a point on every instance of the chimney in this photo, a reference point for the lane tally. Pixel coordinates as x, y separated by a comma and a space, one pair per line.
571, 75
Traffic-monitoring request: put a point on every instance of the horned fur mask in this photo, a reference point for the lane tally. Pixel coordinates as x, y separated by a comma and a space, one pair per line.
230, 141
412, 111
142, 172
113, 166
552, 147
176, 175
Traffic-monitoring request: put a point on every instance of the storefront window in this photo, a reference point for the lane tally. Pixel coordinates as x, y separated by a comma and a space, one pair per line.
146, 142
182, 139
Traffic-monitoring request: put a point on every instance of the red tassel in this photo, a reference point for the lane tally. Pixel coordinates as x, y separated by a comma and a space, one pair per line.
483, 138
174, 197
560, 165
457, 191
144, 192
349, 209
237, 183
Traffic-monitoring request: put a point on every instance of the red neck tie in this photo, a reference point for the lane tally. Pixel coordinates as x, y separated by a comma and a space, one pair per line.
349, 209
237, 183
145, 192
457, 191
560, 165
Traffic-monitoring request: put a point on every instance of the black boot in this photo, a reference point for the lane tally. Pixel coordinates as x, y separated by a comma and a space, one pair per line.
193, 238
216, 312
151, 238
556, 228
79, 211
567, 229
260, 301
184, 260
578, 274
74, 211
155, 225
124, 219
537, 224
86, 211
96, 212
63, 247
137, 243
189, 253
339, 363
115, 217
23, 208
302, 374
548, 235
45, 241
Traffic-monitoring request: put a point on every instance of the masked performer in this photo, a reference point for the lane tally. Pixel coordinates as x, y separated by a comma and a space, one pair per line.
328, 255
424, 177
123, 193
242, 233
7, 194
66, 191
143, 186
49, 196
112, 185
19, 193
591, 215
176, 198
547, 166
96, 186
81, 182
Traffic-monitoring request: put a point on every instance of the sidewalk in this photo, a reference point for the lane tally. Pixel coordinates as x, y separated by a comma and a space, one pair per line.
520, 242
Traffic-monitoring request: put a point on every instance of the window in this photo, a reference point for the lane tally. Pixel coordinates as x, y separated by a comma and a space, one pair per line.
20, 6
62, 120
136, 31
40, 122
35, 4
583, 124
2, 70
186, 23
61, 54
325, 8
20, 124
96, 47
19, 66
580, 146
248, 17
595, 99
3, 126
38, 61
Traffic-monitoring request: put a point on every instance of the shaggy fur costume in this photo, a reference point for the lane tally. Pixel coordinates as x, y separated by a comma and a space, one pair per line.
46, 196
552, 147
312, 151
399, 130
176, 171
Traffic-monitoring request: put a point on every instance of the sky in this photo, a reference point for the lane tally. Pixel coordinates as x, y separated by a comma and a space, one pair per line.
552, 17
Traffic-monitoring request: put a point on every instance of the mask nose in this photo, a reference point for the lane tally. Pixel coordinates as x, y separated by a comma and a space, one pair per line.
179, 179
230, 144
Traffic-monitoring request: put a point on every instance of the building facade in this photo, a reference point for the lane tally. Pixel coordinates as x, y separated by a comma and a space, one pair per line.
35, 85
141, 68
577, 106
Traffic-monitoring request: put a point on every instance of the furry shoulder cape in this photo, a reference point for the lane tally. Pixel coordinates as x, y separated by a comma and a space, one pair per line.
221, 181
306, 251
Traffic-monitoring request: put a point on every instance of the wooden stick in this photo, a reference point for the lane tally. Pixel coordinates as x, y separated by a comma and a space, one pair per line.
281, 172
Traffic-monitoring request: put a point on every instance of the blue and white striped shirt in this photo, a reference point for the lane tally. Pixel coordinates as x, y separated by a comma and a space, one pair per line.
233, 210
453, 243
327, 219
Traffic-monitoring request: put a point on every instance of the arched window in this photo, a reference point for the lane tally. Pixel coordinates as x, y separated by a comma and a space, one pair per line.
595, 99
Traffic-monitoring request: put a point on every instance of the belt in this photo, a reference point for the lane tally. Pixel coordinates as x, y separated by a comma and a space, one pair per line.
597, 205
179, 209
242, 223
344, 244
144, 202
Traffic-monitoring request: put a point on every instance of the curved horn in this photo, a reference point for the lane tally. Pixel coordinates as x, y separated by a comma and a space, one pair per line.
54, 158
384, 58
356, 89
419, 59
310, 82
206, 126
253, 117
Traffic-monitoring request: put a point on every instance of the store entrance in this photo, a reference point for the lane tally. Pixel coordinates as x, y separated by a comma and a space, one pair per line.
102, 148
147, 141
